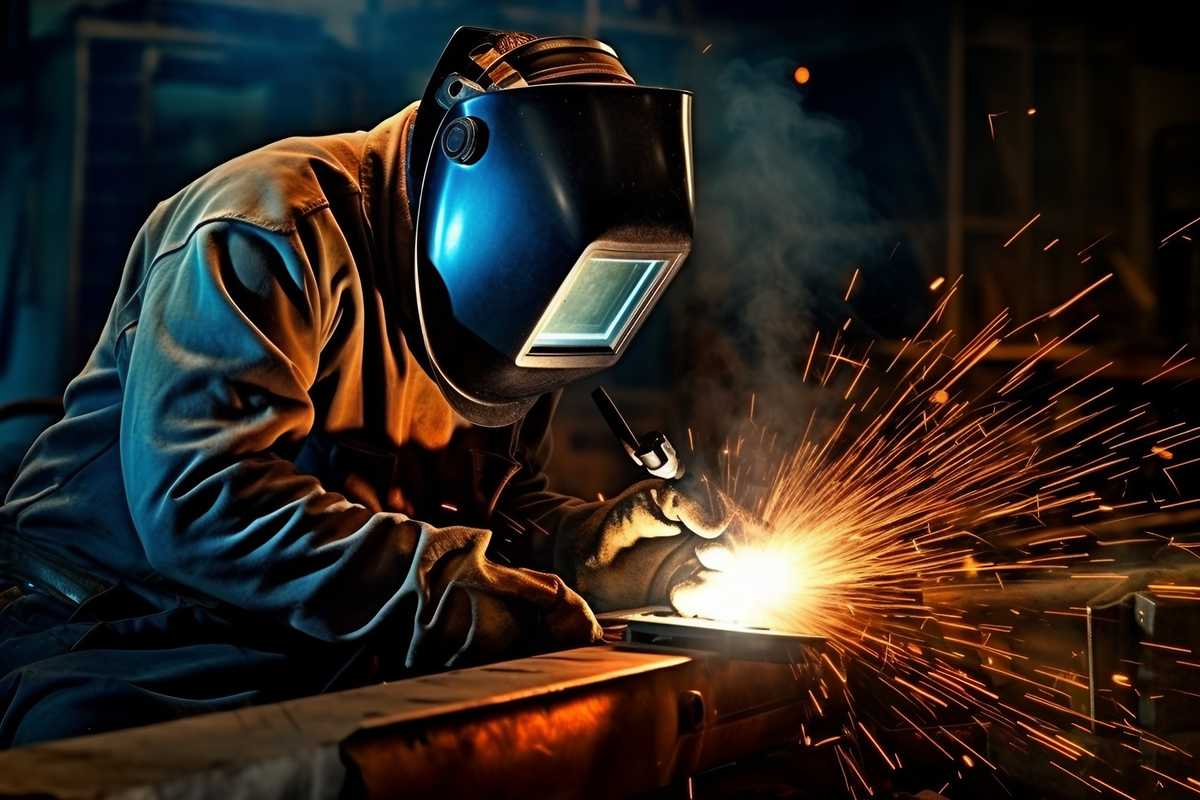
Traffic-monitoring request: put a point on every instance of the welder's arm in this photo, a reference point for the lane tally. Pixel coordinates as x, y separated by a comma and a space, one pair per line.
217, 373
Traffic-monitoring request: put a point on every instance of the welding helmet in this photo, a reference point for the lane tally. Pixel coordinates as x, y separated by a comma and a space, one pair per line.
554, 203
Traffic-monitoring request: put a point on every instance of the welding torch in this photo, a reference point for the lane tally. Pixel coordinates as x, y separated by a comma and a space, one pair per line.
652, 451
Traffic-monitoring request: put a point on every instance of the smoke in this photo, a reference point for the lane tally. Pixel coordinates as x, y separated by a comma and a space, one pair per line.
780, 215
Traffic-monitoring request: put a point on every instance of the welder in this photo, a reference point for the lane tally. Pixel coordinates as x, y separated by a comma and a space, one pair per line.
307, 451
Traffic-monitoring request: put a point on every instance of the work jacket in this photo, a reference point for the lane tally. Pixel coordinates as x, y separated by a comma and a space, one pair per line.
252, 429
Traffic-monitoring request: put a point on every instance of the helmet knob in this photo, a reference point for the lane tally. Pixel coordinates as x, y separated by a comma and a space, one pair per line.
463, 140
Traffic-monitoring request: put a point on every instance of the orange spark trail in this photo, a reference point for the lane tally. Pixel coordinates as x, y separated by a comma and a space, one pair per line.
1024, 227
1079, 296
1175, 233
850, 288
854, 532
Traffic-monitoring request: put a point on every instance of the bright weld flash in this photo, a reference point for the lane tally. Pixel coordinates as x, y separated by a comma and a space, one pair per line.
760, 586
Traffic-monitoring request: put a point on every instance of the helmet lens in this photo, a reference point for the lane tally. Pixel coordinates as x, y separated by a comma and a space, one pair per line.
596, 307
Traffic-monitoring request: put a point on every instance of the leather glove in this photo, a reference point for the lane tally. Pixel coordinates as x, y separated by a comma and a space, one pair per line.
629, 551
471, 610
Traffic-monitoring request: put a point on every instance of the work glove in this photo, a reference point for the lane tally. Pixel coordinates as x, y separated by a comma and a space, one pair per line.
629, 551
471, 610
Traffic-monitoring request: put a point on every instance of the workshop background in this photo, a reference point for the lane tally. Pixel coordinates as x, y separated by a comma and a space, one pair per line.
901, 143
905, 140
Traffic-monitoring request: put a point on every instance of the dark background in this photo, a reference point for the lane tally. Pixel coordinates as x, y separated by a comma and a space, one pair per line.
883, 161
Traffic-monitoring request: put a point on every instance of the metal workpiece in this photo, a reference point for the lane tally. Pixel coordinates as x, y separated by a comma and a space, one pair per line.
613, 738
595, 722
667, 630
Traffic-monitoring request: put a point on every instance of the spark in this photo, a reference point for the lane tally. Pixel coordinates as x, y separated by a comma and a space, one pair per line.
937, 283
1171, 358
850, 288
1189, 786
855, 532
1073, 775
811, 352
1093, 244
880, 749
1064, 306
1168, 370
1171, 648
1112, 788
1047, 247
1024, 227
967, 747
850, 763
991, 123
1175, 233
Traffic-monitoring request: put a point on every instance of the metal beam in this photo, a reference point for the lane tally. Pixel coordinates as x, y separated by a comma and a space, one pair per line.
602, 721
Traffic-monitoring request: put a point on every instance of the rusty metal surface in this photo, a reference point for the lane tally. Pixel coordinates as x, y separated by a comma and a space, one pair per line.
555, 725
610, 739
212, 753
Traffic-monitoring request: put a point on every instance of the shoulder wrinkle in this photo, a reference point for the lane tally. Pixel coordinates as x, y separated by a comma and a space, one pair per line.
269, 188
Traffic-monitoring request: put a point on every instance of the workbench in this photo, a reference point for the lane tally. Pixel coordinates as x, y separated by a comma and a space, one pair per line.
602, 721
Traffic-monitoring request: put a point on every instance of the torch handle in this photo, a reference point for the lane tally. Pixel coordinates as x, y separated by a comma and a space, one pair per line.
612, 415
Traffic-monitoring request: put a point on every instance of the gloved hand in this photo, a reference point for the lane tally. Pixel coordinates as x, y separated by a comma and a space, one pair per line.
629, 551
471, 610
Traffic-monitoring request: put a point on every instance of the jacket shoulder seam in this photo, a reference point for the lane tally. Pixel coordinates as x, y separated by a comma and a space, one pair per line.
286, 229
270, 227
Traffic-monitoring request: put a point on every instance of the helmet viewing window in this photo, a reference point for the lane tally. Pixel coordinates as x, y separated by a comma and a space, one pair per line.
600, 304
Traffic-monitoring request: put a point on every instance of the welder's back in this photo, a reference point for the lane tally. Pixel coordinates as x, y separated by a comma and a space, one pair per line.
303, 207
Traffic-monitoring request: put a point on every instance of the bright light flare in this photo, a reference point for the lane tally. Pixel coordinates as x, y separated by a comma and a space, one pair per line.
767, 585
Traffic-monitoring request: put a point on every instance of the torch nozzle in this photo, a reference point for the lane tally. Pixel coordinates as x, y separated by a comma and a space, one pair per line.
653, 452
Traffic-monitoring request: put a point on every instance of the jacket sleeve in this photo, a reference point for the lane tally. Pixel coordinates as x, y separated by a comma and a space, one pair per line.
216, 378
547, 518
